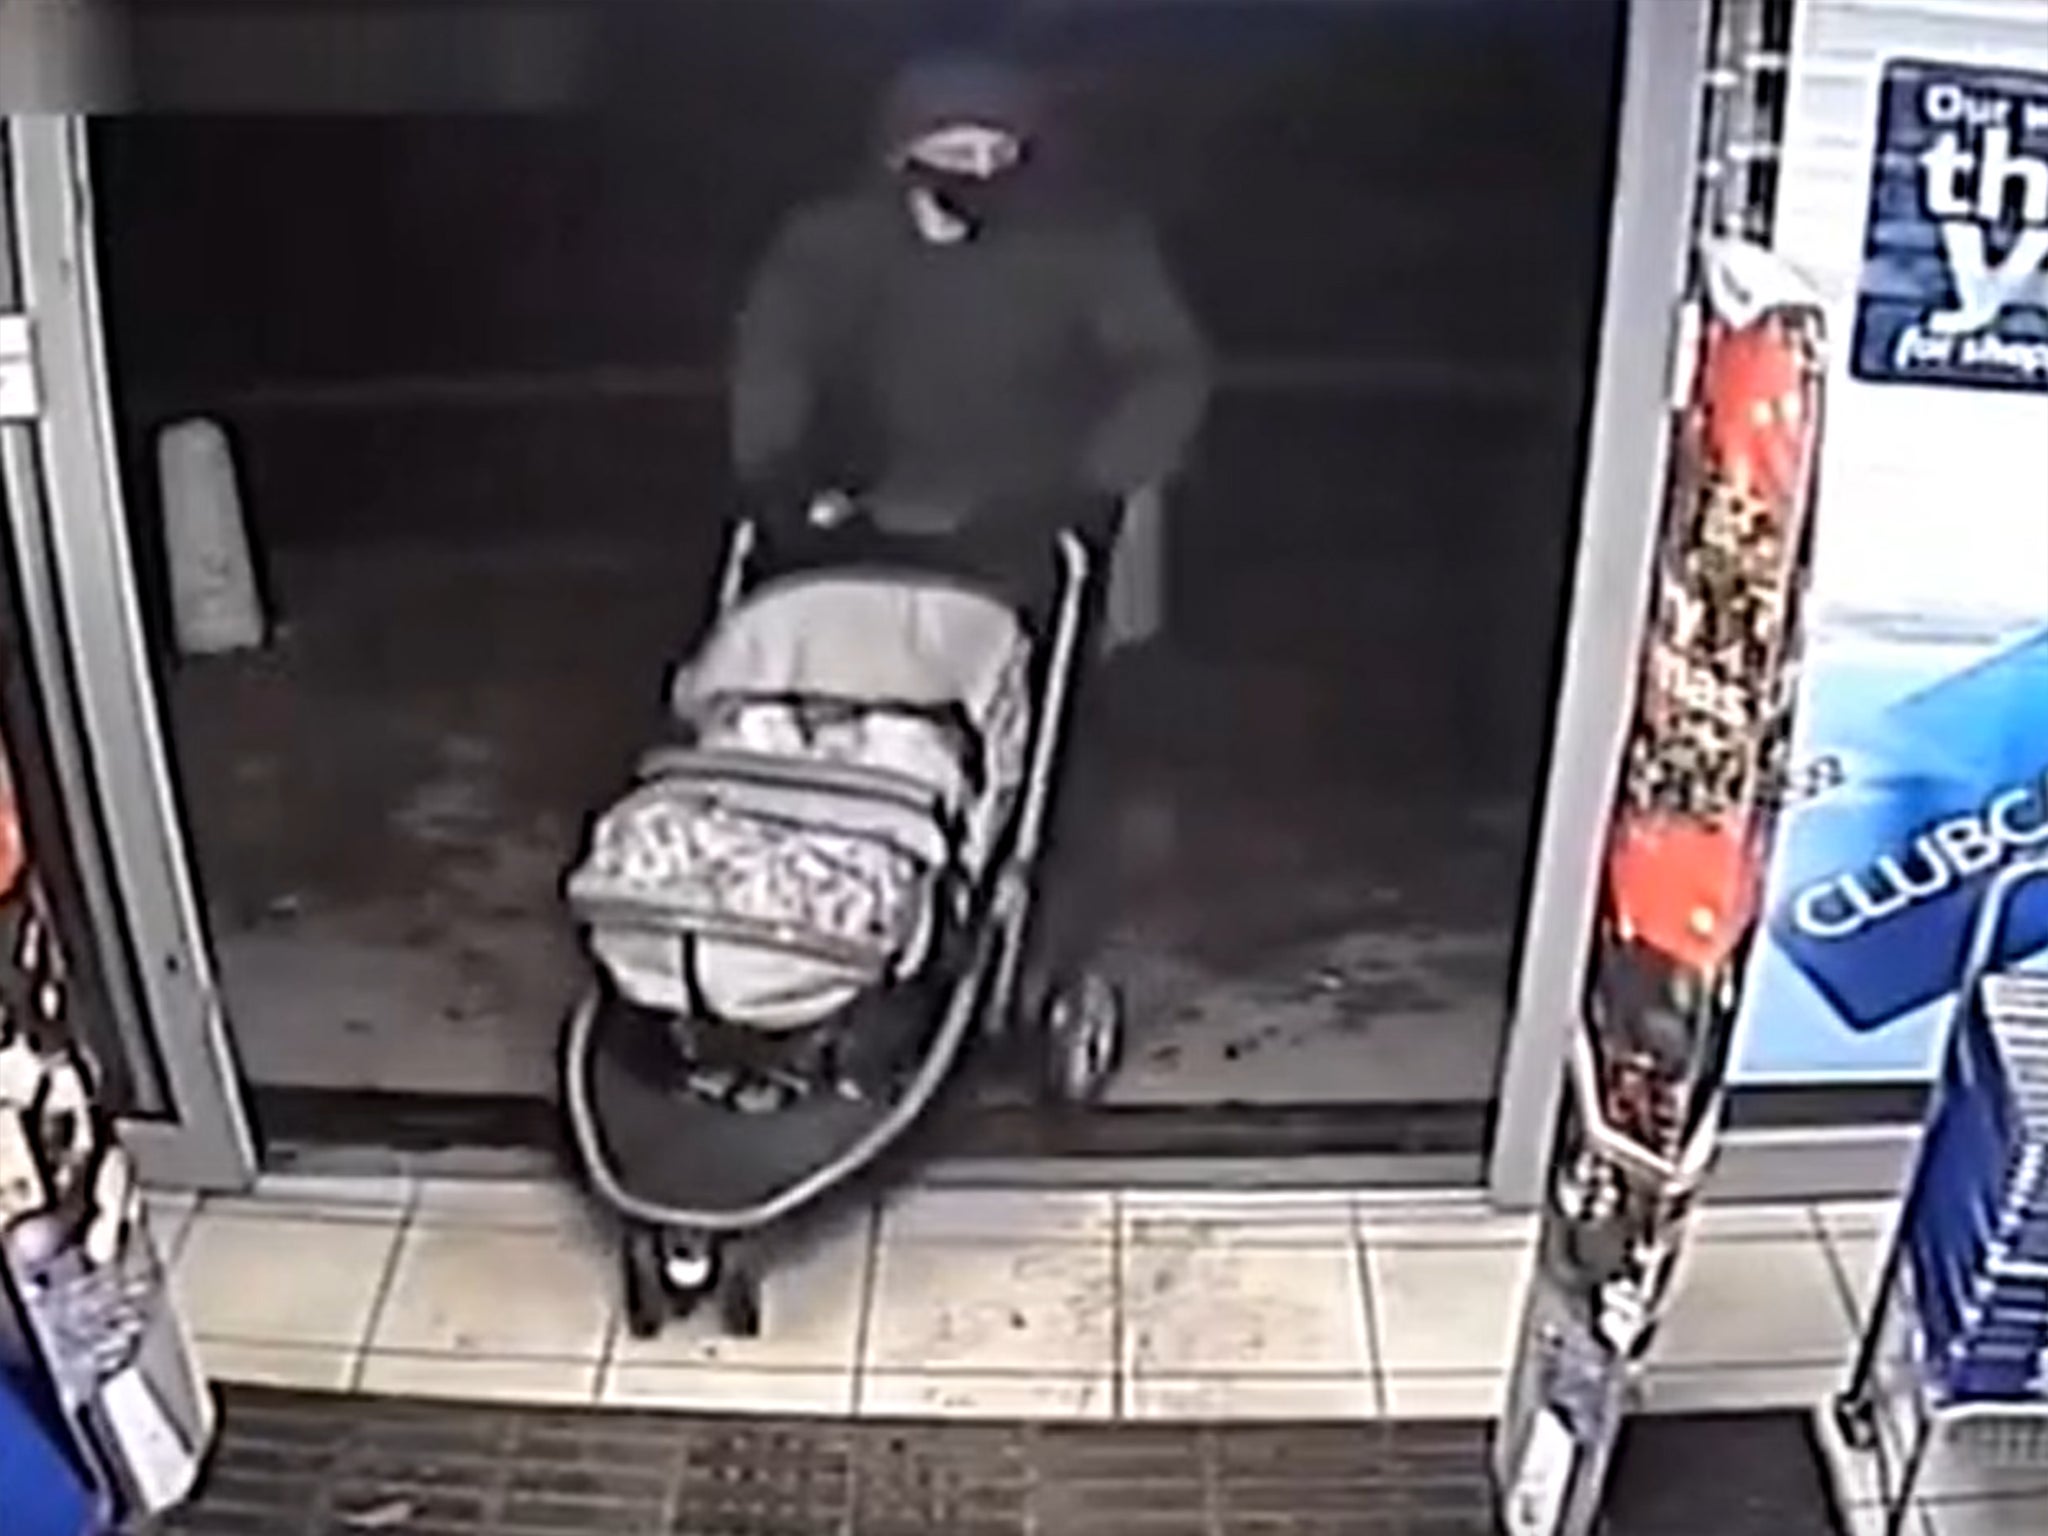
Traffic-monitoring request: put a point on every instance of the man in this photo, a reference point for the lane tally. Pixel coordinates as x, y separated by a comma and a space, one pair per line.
959, 349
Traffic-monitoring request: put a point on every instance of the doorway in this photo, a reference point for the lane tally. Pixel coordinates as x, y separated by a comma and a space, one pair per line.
472, 371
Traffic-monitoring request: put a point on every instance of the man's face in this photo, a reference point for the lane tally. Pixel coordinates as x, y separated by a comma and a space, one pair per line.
959, 177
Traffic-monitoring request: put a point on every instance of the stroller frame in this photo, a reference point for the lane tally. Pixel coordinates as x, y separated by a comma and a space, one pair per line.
675, 1254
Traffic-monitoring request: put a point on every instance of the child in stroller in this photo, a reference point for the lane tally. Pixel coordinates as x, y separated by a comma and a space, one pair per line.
807, 904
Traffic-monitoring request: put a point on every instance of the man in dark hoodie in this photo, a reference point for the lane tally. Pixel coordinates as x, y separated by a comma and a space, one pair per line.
955, 345
957, 349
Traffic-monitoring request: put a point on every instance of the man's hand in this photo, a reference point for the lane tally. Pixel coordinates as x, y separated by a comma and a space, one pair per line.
829, 510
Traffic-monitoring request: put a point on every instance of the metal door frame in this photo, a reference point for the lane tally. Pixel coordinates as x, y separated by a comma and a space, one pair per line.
1659, 196
89, 613
1657, 136
87, 632
84, 627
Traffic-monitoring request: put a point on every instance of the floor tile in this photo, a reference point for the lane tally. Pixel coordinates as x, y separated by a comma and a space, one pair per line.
1195, 1308
1756, 1303
1858, 1218
811, 1303
279, 1280
1259, 1219
519, 1204
487, 1292
1463, 1221
973, 1395
307, 1368
1232, 1397
1047, 1307
1446, 1309
319, 1195
1745, 1388
1859, 1260
1989, 1517
999, 1215
1747, 1222
724, 1389
465, 1378
1459, 1395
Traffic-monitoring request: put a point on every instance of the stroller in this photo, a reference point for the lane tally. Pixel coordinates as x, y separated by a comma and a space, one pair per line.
813, 902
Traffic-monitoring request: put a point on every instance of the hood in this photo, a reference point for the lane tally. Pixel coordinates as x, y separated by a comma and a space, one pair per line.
945, 91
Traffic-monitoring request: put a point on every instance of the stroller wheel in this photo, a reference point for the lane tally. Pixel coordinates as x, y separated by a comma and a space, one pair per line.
649, 1304
665, 1279
1084, 1035
739, 1304
689, 1270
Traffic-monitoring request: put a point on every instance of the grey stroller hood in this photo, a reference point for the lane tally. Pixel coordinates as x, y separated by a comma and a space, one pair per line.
788, 856
907, 640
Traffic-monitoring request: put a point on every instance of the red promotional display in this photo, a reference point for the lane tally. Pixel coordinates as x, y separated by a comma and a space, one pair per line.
92, 1357
1703, 776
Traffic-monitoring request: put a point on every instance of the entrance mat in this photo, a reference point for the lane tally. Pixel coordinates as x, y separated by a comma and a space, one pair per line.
312, 1464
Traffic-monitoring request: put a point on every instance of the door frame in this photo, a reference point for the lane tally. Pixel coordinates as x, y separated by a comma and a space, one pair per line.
1651, 233
1659, 185
83, 608
84, 627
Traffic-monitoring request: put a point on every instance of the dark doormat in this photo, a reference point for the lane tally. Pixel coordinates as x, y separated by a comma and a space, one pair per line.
305, 1464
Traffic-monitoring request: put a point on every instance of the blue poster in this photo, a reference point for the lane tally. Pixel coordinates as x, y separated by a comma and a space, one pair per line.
1924, 754
1954, 285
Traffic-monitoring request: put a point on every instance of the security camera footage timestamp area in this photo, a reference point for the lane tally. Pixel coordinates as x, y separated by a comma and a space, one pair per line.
477, 372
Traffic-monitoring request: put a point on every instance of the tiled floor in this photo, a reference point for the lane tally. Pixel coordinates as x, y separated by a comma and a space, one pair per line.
973, 1303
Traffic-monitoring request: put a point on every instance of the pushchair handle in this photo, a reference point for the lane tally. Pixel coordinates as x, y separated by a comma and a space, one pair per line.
739, 554
1076, 559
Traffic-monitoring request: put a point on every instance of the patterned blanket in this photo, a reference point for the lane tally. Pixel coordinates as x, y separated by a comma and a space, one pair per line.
824, 868
688, 853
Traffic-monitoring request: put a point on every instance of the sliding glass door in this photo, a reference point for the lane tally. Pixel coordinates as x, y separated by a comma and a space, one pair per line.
82, 723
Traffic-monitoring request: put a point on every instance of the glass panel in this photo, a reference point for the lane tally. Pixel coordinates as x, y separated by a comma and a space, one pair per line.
102, 997
76, 606
474, 373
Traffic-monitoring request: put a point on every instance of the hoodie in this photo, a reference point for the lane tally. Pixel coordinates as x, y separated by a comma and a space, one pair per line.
1046, 358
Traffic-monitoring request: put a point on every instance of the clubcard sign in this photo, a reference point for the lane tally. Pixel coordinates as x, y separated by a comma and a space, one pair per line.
1922, 770
1954, 286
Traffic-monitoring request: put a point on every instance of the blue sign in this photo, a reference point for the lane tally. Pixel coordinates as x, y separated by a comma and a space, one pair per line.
1883, 876
1954, 288
1935, 759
